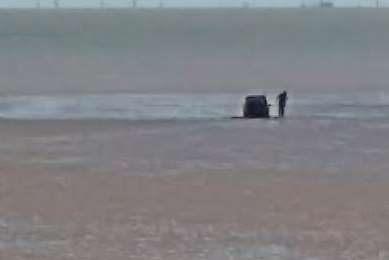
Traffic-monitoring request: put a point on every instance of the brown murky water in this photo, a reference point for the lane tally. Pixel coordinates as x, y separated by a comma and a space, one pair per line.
90, 170
224, 189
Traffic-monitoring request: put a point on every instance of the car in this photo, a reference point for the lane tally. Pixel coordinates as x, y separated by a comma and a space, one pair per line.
256, 106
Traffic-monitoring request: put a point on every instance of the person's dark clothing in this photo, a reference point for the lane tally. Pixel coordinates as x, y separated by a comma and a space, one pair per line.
282, 98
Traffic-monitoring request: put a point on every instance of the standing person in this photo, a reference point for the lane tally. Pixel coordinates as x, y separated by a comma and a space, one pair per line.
282, 98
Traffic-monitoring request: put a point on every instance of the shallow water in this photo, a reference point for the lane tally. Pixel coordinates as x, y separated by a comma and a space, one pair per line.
336, 135
356, 105
70, 189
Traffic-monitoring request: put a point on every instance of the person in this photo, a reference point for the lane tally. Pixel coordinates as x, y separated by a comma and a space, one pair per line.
282, 98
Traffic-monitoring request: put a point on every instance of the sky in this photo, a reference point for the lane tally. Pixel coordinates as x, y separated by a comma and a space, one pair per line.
185, 3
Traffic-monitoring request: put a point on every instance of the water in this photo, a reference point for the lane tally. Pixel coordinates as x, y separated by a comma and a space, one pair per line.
71, 184
120, 106
333, 132
357, 105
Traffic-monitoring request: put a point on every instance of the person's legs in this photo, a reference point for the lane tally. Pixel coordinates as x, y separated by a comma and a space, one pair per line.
281, 110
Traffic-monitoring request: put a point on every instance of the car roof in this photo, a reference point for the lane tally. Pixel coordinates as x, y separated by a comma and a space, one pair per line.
256, 97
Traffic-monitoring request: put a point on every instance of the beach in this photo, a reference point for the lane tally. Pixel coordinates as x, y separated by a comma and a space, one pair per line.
117, 142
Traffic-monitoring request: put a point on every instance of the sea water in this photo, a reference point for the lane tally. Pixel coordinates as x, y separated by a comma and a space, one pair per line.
359, 105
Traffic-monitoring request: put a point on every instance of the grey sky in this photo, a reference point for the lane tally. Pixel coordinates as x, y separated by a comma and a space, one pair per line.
185, 3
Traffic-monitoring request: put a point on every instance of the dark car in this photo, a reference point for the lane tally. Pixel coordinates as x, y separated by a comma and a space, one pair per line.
256, 107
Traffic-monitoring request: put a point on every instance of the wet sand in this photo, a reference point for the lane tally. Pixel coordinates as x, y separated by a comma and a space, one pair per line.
63, 195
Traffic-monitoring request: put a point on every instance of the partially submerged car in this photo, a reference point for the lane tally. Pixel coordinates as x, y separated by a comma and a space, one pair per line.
256, 106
